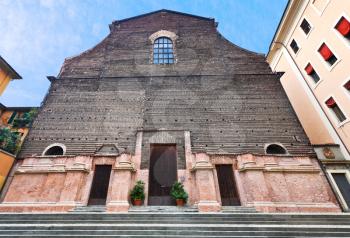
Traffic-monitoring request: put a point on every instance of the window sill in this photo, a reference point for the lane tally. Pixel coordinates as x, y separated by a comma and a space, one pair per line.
333, 66
342, 124
308, 34
316, 84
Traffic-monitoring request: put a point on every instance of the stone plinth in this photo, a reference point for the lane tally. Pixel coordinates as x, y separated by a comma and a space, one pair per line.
268, 183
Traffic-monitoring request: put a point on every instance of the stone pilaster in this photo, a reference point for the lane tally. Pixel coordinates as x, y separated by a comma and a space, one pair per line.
118, 200
203, 170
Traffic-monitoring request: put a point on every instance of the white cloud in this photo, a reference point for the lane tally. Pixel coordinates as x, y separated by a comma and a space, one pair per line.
35, 39
47, 3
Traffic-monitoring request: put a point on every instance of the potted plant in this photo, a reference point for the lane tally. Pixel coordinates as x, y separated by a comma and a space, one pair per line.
137, 194
179, 194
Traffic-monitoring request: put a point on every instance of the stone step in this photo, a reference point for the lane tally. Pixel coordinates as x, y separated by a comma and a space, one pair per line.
89, 209
176, 214
174, 233
163, 209
194, 222
324, 222
146, 215
238, 209
178, 227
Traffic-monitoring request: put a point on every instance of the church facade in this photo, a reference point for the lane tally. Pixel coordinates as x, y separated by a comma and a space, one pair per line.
164, 98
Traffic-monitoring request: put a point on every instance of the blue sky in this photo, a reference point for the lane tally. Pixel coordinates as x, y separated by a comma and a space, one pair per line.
37, 35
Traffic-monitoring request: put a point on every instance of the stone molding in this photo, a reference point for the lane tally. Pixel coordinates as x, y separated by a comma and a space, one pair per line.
124, 163
282, 169
163, 33
202, 162
291, 204
202, 165
297, 164
52, 168
53, 145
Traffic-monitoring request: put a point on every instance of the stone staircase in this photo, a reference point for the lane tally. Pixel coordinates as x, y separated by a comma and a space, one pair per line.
151, 224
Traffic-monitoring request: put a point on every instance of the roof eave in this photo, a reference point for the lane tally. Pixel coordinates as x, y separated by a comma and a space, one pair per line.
292, 7
11, 71
162, 10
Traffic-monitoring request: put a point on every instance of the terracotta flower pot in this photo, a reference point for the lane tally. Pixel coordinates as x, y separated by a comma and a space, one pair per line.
180, 202
137, 202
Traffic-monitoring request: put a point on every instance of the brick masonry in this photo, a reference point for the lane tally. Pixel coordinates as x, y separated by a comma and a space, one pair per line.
225, 95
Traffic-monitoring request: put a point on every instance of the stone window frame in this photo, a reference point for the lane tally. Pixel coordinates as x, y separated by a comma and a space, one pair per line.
337, 33
330, 173
163, 33
310, 25
328, 65
320, 11
333, 115
53, 145
294, 46
278, 144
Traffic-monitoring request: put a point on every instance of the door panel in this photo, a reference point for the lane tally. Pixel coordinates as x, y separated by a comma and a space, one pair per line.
100, 182
343, 185
163, 174
227, 186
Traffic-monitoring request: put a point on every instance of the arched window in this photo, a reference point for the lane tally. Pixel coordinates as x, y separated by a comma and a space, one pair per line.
163, 52
275, 149
55, 149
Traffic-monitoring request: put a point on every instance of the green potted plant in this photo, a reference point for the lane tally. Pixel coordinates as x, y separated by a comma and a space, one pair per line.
179, 194
137, 194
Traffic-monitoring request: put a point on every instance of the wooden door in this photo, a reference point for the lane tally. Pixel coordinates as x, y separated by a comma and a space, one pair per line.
227, 186
163, 174
343, 186
100, 182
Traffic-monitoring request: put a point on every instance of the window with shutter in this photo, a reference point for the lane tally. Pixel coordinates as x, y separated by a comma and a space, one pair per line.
333, 106
327, 54
312, 73
343, 27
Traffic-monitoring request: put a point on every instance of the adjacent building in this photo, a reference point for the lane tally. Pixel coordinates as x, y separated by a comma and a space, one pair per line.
7, 73
164, 98
14, 127
8, 140
311, 47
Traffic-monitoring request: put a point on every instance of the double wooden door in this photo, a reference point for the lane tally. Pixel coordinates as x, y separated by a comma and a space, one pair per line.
227, 186
163, 174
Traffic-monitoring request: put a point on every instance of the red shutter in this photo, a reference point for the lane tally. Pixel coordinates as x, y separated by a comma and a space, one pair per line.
343, 26
325, 52
347, 85
330, 102
309, 69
